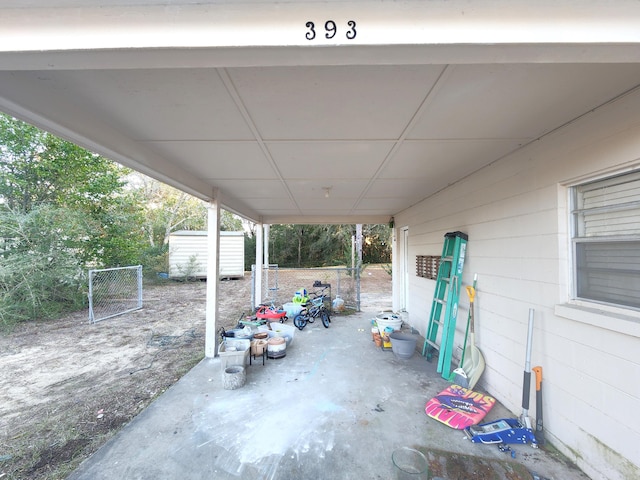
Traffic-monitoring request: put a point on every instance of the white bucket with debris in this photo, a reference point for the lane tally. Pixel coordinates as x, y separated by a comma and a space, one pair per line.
388, 320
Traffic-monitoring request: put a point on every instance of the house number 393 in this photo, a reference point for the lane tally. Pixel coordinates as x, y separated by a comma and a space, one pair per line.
330, 30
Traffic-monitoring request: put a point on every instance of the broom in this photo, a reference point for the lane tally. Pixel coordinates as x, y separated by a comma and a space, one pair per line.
459, 376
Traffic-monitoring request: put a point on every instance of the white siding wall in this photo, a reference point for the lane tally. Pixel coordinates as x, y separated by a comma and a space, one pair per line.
231, 254
515, 213
183, 245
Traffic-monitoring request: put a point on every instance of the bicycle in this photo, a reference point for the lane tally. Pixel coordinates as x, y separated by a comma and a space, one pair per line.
313, 309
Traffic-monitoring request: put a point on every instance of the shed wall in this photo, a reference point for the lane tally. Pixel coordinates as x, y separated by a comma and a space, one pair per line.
185, 245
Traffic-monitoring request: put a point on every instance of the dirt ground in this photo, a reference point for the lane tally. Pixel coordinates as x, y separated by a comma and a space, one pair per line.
67, 386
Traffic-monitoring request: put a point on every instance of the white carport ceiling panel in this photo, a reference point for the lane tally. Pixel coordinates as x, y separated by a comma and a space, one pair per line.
413, 189
180, 104
339, 102
335, 204
356, 159
277, 205
518, 101
384, 206
444, 161
315, 189
218, 160
254, 188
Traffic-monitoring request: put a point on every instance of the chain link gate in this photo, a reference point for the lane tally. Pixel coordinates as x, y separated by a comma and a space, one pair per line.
114, 291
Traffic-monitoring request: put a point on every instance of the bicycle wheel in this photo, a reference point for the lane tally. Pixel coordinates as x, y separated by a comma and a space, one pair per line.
325, 318
299, 321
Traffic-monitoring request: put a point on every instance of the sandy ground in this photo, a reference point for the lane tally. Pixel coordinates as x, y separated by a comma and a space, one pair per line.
67, 385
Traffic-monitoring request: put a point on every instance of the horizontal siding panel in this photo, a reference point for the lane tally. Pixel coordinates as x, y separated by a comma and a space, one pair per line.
183, 245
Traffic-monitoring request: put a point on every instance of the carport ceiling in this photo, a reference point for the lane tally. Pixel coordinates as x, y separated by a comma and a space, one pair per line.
309, 143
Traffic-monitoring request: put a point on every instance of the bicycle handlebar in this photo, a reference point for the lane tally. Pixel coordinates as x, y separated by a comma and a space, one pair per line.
318, 293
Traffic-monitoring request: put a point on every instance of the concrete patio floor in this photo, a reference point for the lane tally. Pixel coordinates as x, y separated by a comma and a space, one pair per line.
335, 407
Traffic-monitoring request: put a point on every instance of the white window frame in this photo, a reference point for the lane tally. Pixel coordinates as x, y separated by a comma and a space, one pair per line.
605, 236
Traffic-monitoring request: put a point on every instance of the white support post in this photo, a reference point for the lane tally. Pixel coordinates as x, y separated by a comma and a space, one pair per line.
257, 288
213, 277
395, 272
267, 229
359, 264
265, 260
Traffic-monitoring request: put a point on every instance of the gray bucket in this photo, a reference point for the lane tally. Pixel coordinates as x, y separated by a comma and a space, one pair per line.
403, 345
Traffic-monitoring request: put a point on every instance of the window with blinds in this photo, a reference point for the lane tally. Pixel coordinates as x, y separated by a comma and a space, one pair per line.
606, 240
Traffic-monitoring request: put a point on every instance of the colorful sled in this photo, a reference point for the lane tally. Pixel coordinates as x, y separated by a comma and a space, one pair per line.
458, 407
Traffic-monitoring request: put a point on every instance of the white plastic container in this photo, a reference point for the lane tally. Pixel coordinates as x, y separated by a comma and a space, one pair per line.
234, 352
292, 309
388, 320
338, 304
283, 330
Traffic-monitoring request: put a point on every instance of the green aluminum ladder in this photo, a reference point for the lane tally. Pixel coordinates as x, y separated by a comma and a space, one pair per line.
444, 308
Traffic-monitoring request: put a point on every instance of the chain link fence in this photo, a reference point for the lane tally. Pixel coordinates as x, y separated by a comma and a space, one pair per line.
280, 284
114, 291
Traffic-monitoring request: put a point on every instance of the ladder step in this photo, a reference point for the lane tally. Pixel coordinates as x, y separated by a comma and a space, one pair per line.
433, 344
440, 301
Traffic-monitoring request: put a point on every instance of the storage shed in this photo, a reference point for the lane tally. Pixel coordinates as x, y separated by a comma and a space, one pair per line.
188, 254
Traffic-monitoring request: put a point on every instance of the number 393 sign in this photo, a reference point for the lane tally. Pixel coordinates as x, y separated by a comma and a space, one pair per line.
330, 30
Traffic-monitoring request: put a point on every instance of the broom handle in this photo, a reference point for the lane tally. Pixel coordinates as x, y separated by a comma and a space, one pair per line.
466, 333
526, 387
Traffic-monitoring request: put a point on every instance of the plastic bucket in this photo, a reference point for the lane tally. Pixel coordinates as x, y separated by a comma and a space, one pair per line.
384, 320
402, 345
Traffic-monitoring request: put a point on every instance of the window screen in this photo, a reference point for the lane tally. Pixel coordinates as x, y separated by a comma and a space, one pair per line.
606, 238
